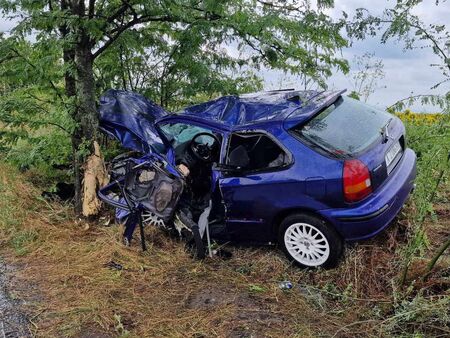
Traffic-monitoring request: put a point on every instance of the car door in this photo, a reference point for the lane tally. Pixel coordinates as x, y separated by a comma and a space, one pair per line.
250, 192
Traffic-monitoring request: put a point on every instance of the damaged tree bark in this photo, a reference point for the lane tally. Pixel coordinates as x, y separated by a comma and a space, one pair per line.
95, 176
87, 120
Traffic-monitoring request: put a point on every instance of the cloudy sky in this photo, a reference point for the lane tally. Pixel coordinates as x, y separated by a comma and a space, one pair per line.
406, 71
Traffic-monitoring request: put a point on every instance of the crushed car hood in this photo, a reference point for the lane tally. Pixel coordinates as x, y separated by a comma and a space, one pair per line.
130, 118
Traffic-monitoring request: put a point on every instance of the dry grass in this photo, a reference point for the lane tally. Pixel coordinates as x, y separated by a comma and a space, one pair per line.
63, 274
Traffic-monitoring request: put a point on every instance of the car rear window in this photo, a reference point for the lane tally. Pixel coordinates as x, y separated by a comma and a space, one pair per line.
345, 128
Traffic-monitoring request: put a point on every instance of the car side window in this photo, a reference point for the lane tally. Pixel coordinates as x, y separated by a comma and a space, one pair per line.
255, 152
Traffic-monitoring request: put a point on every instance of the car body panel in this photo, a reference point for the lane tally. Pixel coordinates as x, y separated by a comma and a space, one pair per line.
249, 109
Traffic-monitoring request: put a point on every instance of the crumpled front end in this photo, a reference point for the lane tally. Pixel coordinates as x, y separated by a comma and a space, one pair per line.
130, 118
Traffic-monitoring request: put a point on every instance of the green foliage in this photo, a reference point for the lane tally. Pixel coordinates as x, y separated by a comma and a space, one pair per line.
254, 288
432, 145
175, 52
417, 315
354, 95
44, 147
35, 126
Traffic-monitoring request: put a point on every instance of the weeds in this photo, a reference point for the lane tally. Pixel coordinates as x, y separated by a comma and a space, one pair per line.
432, 166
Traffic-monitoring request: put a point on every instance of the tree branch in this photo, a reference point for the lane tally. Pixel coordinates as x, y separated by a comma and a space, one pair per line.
122, 9
91, 9
413, 97
116, 32
427, 35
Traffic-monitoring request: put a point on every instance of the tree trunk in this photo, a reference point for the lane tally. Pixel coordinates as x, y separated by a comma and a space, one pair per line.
86, 96
85, 113
88, 124
77, 172
70, 89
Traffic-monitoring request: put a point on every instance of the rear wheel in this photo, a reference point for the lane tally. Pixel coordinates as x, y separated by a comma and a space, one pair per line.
309, 241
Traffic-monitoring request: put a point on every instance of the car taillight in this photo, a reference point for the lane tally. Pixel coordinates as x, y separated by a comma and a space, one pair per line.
357, 184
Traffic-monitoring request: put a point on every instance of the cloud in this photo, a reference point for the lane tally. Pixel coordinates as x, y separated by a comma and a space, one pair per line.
6, 24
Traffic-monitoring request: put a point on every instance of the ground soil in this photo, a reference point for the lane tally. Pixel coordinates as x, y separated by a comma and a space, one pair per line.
13, 322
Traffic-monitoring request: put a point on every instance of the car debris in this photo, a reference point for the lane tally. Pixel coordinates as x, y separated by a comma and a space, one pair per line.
285, 285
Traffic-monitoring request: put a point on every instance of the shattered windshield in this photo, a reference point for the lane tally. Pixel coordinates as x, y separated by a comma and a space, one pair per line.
179, 133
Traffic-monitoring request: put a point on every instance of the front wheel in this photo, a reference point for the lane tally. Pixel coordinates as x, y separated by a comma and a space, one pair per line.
309, 241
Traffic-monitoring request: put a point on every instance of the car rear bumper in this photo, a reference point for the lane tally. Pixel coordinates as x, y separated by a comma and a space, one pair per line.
375, 213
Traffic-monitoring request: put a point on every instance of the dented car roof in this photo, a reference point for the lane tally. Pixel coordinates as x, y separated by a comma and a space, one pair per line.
248, 109
132, 118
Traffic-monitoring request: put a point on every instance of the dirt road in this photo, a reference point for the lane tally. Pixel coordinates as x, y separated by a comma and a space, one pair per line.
13, 323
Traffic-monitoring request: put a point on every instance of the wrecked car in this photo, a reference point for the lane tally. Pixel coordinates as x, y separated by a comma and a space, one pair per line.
305, 170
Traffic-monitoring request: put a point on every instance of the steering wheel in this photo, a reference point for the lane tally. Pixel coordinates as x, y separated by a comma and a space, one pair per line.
203, 150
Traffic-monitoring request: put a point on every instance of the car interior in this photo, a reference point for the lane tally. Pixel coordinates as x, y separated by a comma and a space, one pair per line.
255, 151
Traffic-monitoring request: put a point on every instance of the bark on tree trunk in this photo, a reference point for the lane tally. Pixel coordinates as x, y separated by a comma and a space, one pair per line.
85, 114
86, 110
70, 89
77, 172
88, 123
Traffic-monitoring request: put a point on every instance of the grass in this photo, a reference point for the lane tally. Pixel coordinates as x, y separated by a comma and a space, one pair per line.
79, 281
21, 241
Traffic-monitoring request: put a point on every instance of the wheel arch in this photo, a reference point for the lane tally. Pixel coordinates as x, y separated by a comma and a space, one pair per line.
280, 216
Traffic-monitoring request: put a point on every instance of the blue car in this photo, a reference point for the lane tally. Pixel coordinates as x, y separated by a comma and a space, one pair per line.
305, 170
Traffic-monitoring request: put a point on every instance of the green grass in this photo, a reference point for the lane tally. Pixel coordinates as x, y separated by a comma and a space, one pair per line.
22, 240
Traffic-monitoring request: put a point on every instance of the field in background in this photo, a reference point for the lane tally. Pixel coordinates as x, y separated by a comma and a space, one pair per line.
418, 118
77, 279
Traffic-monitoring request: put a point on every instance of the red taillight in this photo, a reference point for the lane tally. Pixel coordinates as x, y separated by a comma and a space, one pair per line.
357, 184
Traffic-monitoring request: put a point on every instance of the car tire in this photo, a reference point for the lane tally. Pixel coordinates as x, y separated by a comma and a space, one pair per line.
309, 241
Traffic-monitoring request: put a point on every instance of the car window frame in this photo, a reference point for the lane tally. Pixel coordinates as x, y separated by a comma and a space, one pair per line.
288, 163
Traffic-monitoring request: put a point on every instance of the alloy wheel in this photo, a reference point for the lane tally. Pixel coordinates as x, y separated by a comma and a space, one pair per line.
306, 244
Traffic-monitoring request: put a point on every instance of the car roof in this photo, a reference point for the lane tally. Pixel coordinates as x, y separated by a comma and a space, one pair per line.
255, 109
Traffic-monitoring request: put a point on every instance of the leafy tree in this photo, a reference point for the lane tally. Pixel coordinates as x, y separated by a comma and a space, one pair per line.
174, 74
366, 76
80, 42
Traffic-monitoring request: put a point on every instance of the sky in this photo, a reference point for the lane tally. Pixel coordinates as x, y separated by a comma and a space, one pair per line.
407, 72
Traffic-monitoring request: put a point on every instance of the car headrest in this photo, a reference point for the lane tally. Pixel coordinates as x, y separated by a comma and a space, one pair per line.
239, 157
